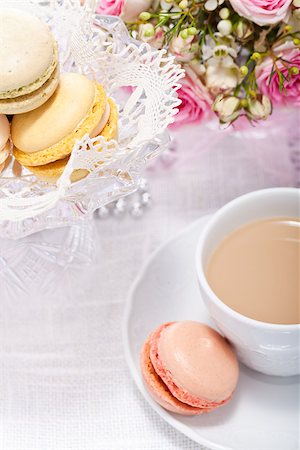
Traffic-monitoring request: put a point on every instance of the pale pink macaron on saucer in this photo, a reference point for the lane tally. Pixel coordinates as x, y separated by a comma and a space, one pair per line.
189, 368
5, 144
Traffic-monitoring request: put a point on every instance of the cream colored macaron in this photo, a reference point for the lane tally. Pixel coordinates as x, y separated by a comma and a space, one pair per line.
29, 62
48, 134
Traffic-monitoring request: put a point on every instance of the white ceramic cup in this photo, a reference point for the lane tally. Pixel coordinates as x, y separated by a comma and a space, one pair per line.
272, 349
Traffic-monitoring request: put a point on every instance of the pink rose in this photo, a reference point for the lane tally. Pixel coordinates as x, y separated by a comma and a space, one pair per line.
291, 92
262, 12
196, 102
111, 7
129, 10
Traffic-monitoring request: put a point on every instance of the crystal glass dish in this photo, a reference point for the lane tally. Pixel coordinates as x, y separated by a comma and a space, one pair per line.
142, 81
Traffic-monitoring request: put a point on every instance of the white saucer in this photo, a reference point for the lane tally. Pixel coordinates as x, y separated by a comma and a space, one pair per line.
264, 412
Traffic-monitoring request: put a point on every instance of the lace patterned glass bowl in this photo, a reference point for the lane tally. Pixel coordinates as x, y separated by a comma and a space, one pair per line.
101, 48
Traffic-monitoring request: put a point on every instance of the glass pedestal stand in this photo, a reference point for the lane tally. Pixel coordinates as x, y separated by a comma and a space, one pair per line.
48, 262
57, 261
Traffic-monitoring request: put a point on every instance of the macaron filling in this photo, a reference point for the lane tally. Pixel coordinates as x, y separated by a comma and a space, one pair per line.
102, 123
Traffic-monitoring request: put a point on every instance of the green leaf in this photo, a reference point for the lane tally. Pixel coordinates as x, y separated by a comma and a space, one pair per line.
273, 71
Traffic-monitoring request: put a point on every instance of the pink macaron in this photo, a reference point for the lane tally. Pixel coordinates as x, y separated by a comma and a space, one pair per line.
4, 140
189, 368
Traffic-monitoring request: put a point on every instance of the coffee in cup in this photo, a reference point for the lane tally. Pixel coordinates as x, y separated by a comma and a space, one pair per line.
255, 270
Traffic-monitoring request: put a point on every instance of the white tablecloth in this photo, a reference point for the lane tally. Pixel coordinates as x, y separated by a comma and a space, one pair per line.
64, 383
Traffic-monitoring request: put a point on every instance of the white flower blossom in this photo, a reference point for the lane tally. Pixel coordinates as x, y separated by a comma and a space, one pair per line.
227, 108
222, 79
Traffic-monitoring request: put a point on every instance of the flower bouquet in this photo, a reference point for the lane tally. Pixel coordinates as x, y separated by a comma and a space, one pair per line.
241, 57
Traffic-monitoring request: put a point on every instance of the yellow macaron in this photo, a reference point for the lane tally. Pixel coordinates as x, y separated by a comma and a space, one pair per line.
52, 172
44, 138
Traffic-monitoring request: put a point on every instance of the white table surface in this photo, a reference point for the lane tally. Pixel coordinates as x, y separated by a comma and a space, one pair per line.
64, 383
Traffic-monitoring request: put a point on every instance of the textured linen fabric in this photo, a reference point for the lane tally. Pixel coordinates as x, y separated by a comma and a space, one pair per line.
64, 383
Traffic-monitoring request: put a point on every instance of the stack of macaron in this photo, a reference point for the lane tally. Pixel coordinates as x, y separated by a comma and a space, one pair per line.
189, 368
50, 111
